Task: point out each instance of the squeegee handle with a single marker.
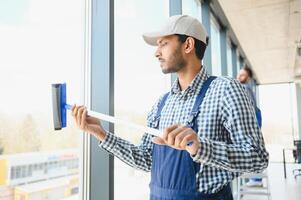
(115, 120)
(67, 106)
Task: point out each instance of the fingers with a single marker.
(174, 133)
(73, 109)
(188, 138)
(79, 114)
(158, 140)
(83, 118)
(179, 138)
(168, 130)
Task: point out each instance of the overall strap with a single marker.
(160, 107)
(195, 110)
(199, 99)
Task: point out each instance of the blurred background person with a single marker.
(245, 77)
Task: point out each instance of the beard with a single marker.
(175, 63)
(243, 81)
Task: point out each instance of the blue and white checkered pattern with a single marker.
(231, 141)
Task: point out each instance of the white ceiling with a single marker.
(267, 31)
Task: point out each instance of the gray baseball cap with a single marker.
(178, 24)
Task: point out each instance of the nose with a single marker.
(158, 52)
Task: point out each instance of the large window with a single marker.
(229, 60)
(192, 8)
(41, 43)
(138, 83)
(215, 47)
(238, 66)
(279, 130)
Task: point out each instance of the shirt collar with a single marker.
(194, 85)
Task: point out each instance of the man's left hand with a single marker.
(178, 137)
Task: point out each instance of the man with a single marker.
(245, 77)
(200, 152)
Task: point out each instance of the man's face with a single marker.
(170, 54)
(243, 76)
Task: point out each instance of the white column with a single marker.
(298, 109)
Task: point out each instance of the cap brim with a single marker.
(151, 38)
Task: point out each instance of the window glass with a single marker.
(41, 43)
(192, 8)
(278, 129)
(215, 47)
(237, 62)
(229, 60)
(139, 82)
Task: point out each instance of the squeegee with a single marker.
(60, 107)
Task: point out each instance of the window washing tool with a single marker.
(60, 108)
(60, 113)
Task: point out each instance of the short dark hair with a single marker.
(248, 70)
(199, 46)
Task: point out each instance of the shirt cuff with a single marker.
(203, 155)
(109, 142)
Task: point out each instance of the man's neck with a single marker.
(187, 75)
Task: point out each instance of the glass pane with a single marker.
(41, 43)
(278, 129)
(192, 8)
(229, 60)
(237, 62)
(138, 83)
(215, 47)
(241, 62)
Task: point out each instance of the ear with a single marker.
(189, 45)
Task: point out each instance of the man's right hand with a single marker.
(87, 123)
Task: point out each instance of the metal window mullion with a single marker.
(84, 182)
(102, 95)
(175, 8)
(206, 22)
(234, 59)
(223, 43)
(241, 62)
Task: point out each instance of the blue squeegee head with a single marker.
(63, 105)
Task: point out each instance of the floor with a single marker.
(133, 184)
(281, 188)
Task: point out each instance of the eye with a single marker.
(163, 44)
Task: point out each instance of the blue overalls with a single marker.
(173, 173)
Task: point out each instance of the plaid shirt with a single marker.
(231, 141)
